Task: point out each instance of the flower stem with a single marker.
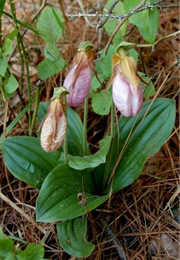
(109, 157)
(112, 121)
(85, 126)
(66, 136)
(35, 109)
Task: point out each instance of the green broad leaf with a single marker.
(139, 19)
(106, 62)
(149, 33)
(75, 133)
(111, 24)
(72, 237)
(134, 54)
(150, 132)
(12, 35)
(49, 26)
(95, 84)
(8, 44)
(148, 89)
(58, 19)
(32, 252)
(9, 256)
(91, 161)
(3, 66)
(6, 247)
(7, 47)
(75, 129)
(101, 102)
(147, 21)
(11, 85)
(48, 68)
(51, 52)
(26, 160)
(58, 198)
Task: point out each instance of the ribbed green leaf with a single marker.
(58, 197)
(3, 66)
(11, 85)
(26, 160)
(75, 133)
(147, 21)
(47, 68)
(48, 25)
(91, 161)
(101, 102)
(147, 137)
(72, 237)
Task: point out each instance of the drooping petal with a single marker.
(81, 87)
(122, 95)
(53, 128)
(136, 100)
(127, 100)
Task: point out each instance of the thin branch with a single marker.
(102, 23)
(169, 6)
(119, 17)
(147, 45)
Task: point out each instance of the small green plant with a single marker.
(9, 83)
(71, 180)
(50, 25)
(8, 251)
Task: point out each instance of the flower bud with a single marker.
(53, 127)
(126, 90)
(78, 79)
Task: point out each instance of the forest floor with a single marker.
(143, 217)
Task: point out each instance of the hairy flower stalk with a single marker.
(126, 90)
(78, 79)
(54, 125)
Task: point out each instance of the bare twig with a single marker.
(102, 23)
(147, 45)
(119, 17)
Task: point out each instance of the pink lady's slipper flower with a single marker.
(53, 126)
(78, 79)
(126, 90)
